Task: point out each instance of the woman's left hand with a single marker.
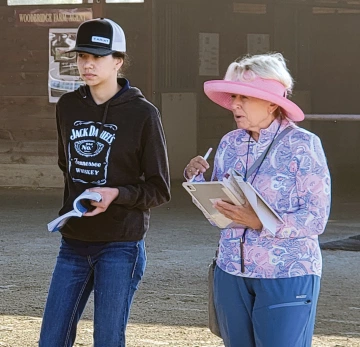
(108, 195)
(244, 215)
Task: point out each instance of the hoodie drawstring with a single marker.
(103, 120)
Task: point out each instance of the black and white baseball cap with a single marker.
(100, 36)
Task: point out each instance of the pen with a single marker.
(205, 157)
(207, 153)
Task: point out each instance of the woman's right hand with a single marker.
(196, 166)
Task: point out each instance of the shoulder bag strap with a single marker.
(259, 160)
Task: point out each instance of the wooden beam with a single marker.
(99, 8)
(150, 72)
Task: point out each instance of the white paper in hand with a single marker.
(268, 217)
(78, 211)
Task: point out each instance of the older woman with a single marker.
(266, 286)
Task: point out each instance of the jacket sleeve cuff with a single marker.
(124, 196)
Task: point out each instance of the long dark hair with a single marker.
(126, 63)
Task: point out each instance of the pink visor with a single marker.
(220, 92)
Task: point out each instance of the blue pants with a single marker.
(266, 312)
(113, 273)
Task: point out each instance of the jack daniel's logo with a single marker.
(89, 152)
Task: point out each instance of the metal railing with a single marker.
(333, 117)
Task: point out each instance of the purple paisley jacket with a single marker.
(294, 179)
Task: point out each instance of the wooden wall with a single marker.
(27, 127)
(322, 57)
(321, 50)
(27, 120)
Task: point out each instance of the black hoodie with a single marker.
(118, 144)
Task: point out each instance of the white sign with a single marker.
(209, 54)
(63, 72)
(258, 43)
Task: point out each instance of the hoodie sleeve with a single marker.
(61, 149)
(61, 153)
(155, 190)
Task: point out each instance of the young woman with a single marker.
(266, 285)
(111, 141)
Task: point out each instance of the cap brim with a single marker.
(220, 92)
(92, 50)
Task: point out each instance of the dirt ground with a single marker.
(170, 308)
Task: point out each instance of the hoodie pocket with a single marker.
(129, 221)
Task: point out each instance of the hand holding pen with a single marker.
(197, 165)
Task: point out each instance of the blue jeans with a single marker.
(256, 312)
(113, 273)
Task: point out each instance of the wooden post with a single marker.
(150, 66)
(99, 8)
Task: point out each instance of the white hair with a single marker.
(266, 66)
